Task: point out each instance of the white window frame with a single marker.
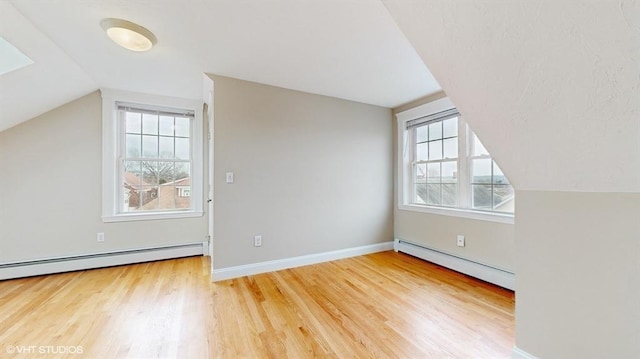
(111, 128)
(405, 168)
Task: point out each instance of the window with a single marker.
(445, 169)
(152, 161)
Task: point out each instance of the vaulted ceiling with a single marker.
(346, 49)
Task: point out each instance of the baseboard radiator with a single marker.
(482, 271)
(98, 260)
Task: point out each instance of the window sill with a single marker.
(462, 213)
(150, 216)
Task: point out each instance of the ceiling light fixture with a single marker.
(129, 35)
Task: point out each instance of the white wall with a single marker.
(312, 173)
(553, 89)
(50, 191)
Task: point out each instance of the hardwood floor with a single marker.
(384, 305)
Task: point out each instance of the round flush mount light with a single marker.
(129, 35)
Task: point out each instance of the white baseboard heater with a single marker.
(98, 260)
(485, 272)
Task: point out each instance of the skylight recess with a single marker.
(11, 58)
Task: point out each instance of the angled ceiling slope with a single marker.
(552, 88)
(52, 80)
(346, 49)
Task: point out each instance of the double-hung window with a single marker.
(152, 157)
(445, 169)
(435, 160)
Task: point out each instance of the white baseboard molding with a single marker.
(286, 263)
(485, 272)
(521, 354)
(97, 260)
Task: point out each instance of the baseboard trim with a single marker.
(286, 263)
(97, 260)
(521, 354)
(482, 271)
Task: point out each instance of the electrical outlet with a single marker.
(257, 241)
(100, 237)
(229, 177)
(460, 240)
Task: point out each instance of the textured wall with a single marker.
(551, 87)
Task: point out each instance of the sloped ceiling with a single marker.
(52, 80)
(346, 49)
(551, 87)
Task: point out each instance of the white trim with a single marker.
(488, 273)
(96, 260)
(151, 216)
(110, 176)
(521, 354)
(286, 263)
(439, 105)
(458, 212)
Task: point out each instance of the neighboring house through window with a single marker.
(152, 157)
(445, 169)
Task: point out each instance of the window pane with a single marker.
(481, 196)
(166, 126)
(421, 173)
(421, 193)
(149, 124)
(451, 148)
(166, 172)
(132, 173)
(182, 171)
(166, 196)
(150, 146)
(421, 134)
(435, 150)
(150, 173)
(503, 198)
(182, 193)
(182, 148)
(478, 148)
(481, 170)
(182, 127)
(421, 151)
(132, 145)
(498, 176)
(166, 147)
(502, 195)
(149, 198)
(433, 172)
(450, 172)
(133, 122)
(131, 198)
(449, 195)
(433, 194)
(435, 131)
(450, 127)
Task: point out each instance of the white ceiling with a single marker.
(350, 49)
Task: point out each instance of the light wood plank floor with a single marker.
(384, 305)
